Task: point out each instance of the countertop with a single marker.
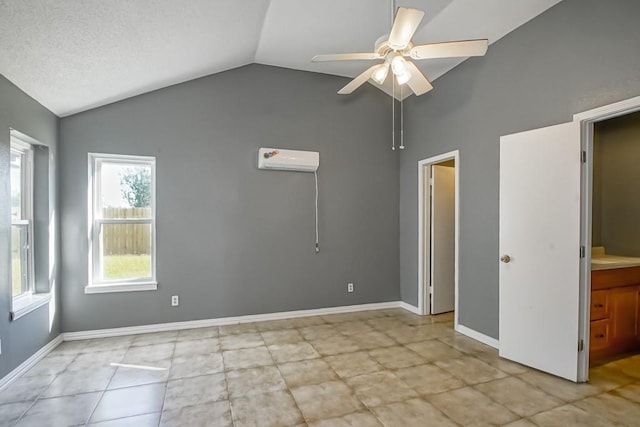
(606, 262)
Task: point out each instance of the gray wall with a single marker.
(232, 239)
(24, 336)
(578, 55)
(616, 175)
(596, 192)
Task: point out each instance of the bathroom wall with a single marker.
(616, 176)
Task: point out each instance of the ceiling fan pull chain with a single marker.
(393, 90)
(401, 120)
(393, 113)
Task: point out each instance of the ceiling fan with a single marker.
(397, 48)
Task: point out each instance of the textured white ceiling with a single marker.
(75, 55)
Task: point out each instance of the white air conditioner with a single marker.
(288, 160)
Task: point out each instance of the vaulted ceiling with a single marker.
(75, 55)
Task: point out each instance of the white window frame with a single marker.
(95, 222)
(30, 300)
(26, 194)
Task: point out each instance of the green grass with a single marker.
(115, 267)
(127, 266)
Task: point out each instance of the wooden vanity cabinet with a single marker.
(599, 337)
(615, 312)
(600, 305)
(624, 317)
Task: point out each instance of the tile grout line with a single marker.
(105, 388)
(38, 397)
(166, 383)
(368, 351)
(293, 328)
(288, 390)
(341, 333)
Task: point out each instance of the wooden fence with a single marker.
(126, 239)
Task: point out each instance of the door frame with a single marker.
(424, 231)
(588, 119)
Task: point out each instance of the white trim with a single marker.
(410, 307)
(104, 333)
(27, 364)
(27, 200)
(162, 327)
(124, 221)
(471, 333)
(121, 287)
(122, 158)
(19, 146)
(25, 304)
(588, 118)
(24, 138)
(609, 111)
(94, 221)
(422, 166)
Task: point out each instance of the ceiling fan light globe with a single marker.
(380, 74)
(398, 65)
(403, 78)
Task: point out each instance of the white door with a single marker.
(442, 239)
(540, 232)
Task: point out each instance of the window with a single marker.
(122, 221)
(30, 231)
(21, 178)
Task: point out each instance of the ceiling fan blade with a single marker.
(345, 57)
(358, 81)
(418, 83)
(404, 26)
(455, 49)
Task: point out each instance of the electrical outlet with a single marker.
(349, 287)
(174, 301)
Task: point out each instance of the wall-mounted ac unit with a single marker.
(288, 160)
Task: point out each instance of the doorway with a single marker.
(438, 219)
(591, 120)
(545, 270)
(615, 254)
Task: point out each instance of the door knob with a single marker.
(505, 259)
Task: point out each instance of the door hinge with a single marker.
(582, 251)
(583, 156)
(580, 345)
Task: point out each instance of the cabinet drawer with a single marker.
(599, 334)
(599, 305)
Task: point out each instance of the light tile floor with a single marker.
(375, 368)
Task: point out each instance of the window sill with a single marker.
(26, 304)
(121, 287)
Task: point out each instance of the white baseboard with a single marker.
(485, 339)
(162, 327)
(27, 364)
(409, 307)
